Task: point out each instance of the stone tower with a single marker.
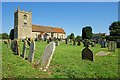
(22, 24)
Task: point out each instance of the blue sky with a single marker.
(72, 17)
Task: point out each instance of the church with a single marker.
(23, 27)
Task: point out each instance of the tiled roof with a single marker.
(40, 28)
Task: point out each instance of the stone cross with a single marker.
(47, 56)
(31, 52)
(24, 49)
(87, 54)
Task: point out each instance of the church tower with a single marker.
(22, 24)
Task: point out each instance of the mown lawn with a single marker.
(66, 63)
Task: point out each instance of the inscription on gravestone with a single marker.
(47, 56)
(87, 54)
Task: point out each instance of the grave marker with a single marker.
(87, 54)
(24, 49)
(47, 56)
(118, 43)
(31, 52)
(111, 46)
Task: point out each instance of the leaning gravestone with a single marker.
(6, 42)
(87, 54)
(24, 49)
(17, 47)
(14, 46)
(47, 56)
(31, 52)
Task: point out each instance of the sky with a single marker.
(71, 16)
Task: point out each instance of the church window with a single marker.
(25, 24)
(25, 17)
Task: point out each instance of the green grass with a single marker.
(66, 63)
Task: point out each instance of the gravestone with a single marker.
(14, 46)
(47, 56)
(24, 49)
(102, 53)
(57, 43)
(92, 44)
(31, 52)
(70, 42)
(118, 43)
(74, 42)
(9, 43)
(6, 42)
(103, 44)
(111, 46)
(66, 41)
(87, 54)
(17, 47)
(78, 43)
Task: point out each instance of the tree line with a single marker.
(114, 29)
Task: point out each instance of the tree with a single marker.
(11, 34)
(87, 32)
(68, 37)
(72, 37)
(78, 38)
(114, 29)
(5, 36)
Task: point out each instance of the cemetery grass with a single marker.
(66, 63)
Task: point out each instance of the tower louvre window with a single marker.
(25, 17)
(25, 24)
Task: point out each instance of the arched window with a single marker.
(25, 17)
(25, 24)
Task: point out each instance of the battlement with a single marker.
(23, 11)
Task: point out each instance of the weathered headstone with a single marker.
(103, 44)
(57, 43)
(47, 56)
(70, 42)
(78, 43)
(31, 52)
(24, 49)
(111, 46)
(9, 43)
(87, 54)
(6, 42)
(66, 41)
(14, 46)
(74, 42)
(118, 43)
(17, 47)
(102, 53)
(92, 44)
